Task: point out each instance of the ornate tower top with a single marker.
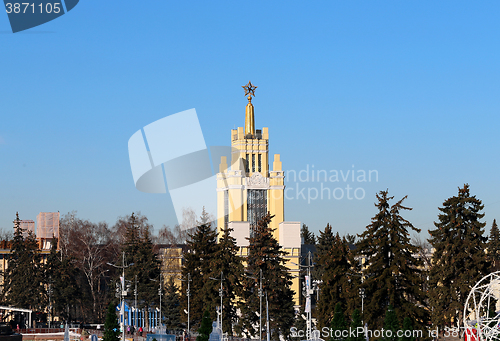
(249, 90)
(249, 112)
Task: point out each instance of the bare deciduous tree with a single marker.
(91, 246)
(424, 250)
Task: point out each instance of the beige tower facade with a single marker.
(247, 189)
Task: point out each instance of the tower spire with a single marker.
(249, 112)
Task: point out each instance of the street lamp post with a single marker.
(267, 319)
(261, 294)
(316, 286)
(135, 303)
(307, 294)
(160, 293)
(221, 293)
(188, 293)
(123, 293)
(362, 294)
(50, 302)
(308, 297)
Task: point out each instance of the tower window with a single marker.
(259, 162)
(253, 162)
(256, 206)
(226, 208)
(247, 163)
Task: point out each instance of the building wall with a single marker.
(172, 260)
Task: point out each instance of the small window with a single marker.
(226, 208)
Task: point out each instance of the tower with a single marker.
(247, 189)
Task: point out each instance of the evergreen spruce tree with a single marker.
(307, 236)
(265, 255)
(111, 326)
(391, 324)
(142, 263)
(351, 239)
(339, 283)
(198, 263)
(60, 279)
(355, 324)
(132, 238)
(392, 270)
(494, 247)
(325, 243)
(338, 324)
(24, 261)
(147, 269)
(459, 259)
(407, 330)
(171, 306)
(227, 262)
(66, 288)
(205, 327)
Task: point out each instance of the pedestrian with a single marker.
(128, 330)
(140, 331)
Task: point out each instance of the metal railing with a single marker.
(45, 330)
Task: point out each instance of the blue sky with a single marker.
(406, 88)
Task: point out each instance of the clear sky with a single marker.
(409, 89)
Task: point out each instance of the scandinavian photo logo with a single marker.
(310, 184)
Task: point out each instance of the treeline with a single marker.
(383, 271)
(377, 278)
(381, 277)
(76, 282)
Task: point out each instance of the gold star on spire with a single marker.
(249, 89)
